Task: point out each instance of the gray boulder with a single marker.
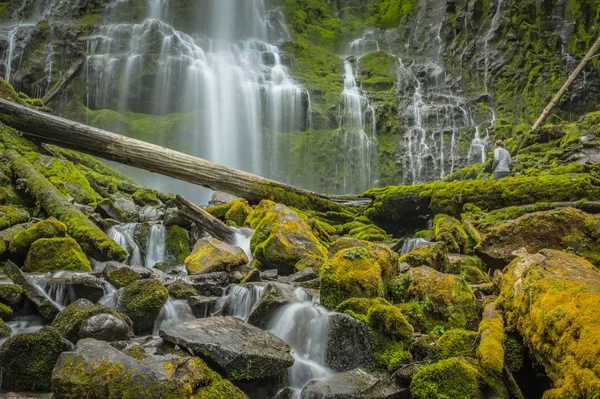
(105, 327)
(210, 284)
(243, 351)
(348, 345)
(355, 384)
(203, 306)
(173, 216)
(274, 298)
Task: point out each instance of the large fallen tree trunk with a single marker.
(77, 136)
(204, 219)
(92, 240)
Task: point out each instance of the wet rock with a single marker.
(432, 254)
(285, 393)
(404, 375)
(75, 322)
(210, 284)
(47, 309)
(142, 301)
(271, 274)
(355, 384)
(82, 285)
(301, 276)
(348, 345)
(243, 351)
(253, 276)
(14, 395)
(5, 330)
(182, 290)
(284, 241)
(121, 275)
(150, 214)
(173, 216)
(310, 284)
(221, 198)
(559, 229)
(11, 294)
(236, 277)
(28, 359)
(170, 268)
(211, 255)
(122, 209)
(275, 297)
(203, 306)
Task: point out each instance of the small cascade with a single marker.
(411, 244)
(62, 295)
(25, 324)
(356, 164)
(156, 245)
(240, 300)
(124, 235)
(366, 44)
(305, 327)
(172, 313)
(242, 238)
(486, 43)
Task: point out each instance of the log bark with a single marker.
(55, 130)
(92, 240)
(205, 220)
(595, 47)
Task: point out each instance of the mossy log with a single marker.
(205, 220)
(54, 130)
(93, 241)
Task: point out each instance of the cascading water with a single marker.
(124, 235)
(356, 162)
(156, 245)
(411, 244)
(228, 82)
(366, 44)
(242, 238)
(305, 327)
(172, 313)
(240, 300)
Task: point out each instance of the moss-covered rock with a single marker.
(11, 294)
(145, 197)
(449, 378)
(450, 231)
(491, 348)
(445, 299)
(28, 359)
(142, 301)
(550, 298)
(434, 255)
(182, 290)
(469, 268)
(258, 213)
(54, 254)
(456, 343)
(565, 229)
(10, 215)
(49, 228)
(177, 243)
(70, 321)
(6, 312)
(211, 255)
(284, 241)
(4, 330)
(357, 272)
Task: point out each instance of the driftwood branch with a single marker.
(567, 84)
(63, 81)
(205, 220)
(80, 137)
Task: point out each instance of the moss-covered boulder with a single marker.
(444, 299)
(450, 231)
(233, 213)
(551, 299)
(70, 322)
(182, 290)
(566, 229)
(145, 197)
(211, 255)
(48, 228)
(455, 343)
(177, 243)
(121, 275)
(259, 212)
(54, 254)
(10, 216)
(142, 301)
(4, 330)
(434, 255)
(28, 359)
(357, 272)
(450, 378)
(285, 242)
(491, 347)
(468, 267)
(11, 294)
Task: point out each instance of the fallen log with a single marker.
(93, 241)
(55, 130)
(592, 207)
(205, 220)
(63, 81)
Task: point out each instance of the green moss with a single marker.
(181, 290)
(491, 348)
(455, 343)
(390, 12)
(10, 216)
(145, 197)
(450, 231)
(237, 213)
(5, 312)
(434, 255)
(69, 321)
(450, 378)
(142, 301)
(5, 330)
(11, 294)
(177, 243)
(53, 254)
(122, 277)
(389, 321)
(28, 359)
(49, 228)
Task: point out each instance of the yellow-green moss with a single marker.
(211, 255)
(181, 290)
(491, 348)
(11, 294)
(449, 230)
(455, 343)
(446, 379)
(53, 254)
(145, 197)
(5, 330)
(258, 214)
(5, 312)
(237, 213)
(10, 216)
(48, 228)
(434, 255)
(142, 301)
(177, 243)
(122, 277)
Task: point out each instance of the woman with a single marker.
(502, 161)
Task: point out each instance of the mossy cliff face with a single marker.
(549, 298)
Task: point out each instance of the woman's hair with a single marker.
(499, 143)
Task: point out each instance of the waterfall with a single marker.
(240, 300)
(62, 295)
(365, 44)
(156, 245)
(172, 313)
(124, 235)
(411, 244)
(489, 35)
(305, 327)
(242, 238)
(355, 166)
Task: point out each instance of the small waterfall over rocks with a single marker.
(173, 312)
(156, 245)
(124, 235)
(240, 300)
(411, 244)
(242, 238)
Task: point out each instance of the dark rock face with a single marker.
(210, 284)
(105, 327)
(202, 306)
(348, 346)
(355, 384)
(275, 297)
(243, 351)
(28, 359)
